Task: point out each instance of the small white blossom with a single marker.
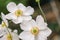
(3, 25)
(10, 36)
(19, 13)
(4, 20)
(35, 30)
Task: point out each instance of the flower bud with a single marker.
(37, 0)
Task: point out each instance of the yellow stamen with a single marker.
(4, 24)
(18, 13)
(9, 37)
(35, 31)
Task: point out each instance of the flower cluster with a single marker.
(20, 14)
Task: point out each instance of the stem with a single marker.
(42, 11)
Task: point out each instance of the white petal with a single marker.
(10, 16)
(39, 19)
(18, 20)
(2, 31)
(41, 38)
(29, 11)
(4, 19)
(40, 22)
(15, 31)
(14, 36)
(45, 33)
(3, 38)
(27, 18)
(26, 36)
(3, 16)
(11, 7)
(27, 25)
(21, 7)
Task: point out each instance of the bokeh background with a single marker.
(51, 9)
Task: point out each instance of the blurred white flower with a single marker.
(4, 31)
(11, 36)
(3, 25)
(19, 13)
(4, 20)
(35, 30)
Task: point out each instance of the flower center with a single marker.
(35, 31)
(9, 37)
(18, 13)
(4, 24)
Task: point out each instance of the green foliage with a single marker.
(53, 26)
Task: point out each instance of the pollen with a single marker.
(18, 13)
(9, 37)
(35, 31)
(4, 24)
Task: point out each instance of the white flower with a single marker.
(3, 25)
(19, 13)
(4, 31)
(4, 20)
(11, 36)
(35, 30)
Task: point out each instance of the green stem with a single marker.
(42, 11)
